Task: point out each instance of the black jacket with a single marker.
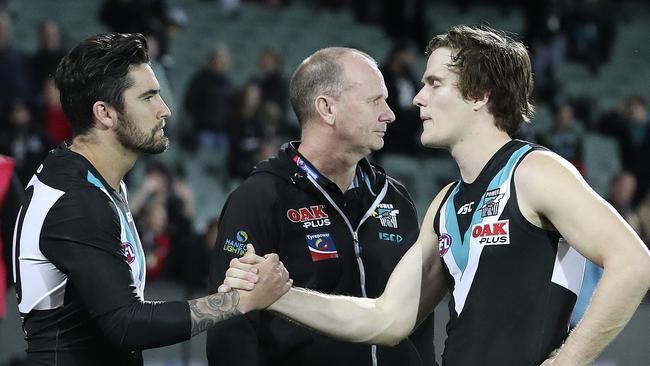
(294, 211)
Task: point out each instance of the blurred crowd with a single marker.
(238, 125)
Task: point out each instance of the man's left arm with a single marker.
(550, 190)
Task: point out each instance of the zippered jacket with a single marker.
(329, 241)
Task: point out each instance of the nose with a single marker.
(419, 100)
(165, 112)
(388, 116)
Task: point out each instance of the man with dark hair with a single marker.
(506, 240)
(341, 223)
(79, 265)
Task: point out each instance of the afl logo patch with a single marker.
(128, 251)
(444, 243)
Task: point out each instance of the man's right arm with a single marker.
(91, 258)
(415, 287)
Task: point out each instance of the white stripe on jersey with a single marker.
(569, 267)
(46, 288)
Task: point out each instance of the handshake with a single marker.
(260, 281)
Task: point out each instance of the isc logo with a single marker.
(396, 238)
(495, 233)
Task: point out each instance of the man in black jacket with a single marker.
(340, 223)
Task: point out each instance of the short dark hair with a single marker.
(97, 69)
(489, 62)
(319, 74)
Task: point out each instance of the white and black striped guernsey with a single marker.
(80, 271)
(513, 284)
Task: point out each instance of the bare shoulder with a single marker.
(546, 182)
(540, 166)
(544, 173)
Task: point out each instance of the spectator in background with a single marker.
(56, 124)
(273, 84)
(166, 92)
(565, 136)
(196, 269)
(621, 194)
(545, 35)
(636, 149)
(402, 137)
(23, 141)
(591, 32)
(9, 194)
(207, 101)
(14, 192)
(50, 51)
(134, 16)
(146, 17)
(644, 219)
(165, 205)
(630, 126)
(405, 18)
(153, 235)
(245, 130)
(15, 78)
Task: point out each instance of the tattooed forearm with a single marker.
(209, 310)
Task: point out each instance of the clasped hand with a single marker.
(260, 281)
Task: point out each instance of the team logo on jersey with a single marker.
(491, 203)
(237, 246)
(312, 216)
(495, 233)
(465, 209)
(321, 246)
(128, 251)
(444, 243)
(387, 215)
(395, 238)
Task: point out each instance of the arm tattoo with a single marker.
(208, 311)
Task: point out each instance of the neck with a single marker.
(337, 165)
(475, 149)
(112, 161)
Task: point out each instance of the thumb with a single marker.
(250, 249)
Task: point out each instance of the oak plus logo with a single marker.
(309, 217)
(494, 233)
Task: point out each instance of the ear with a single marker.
(477, 104)
(325, 108)
(104, 114)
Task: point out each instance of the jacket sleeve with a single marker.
(81, 237)
(248, 217)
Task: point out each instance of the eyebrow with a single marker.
(376, 97)
(430, 79)
(149, 93)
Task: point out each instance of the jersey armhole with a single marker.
(436, 218)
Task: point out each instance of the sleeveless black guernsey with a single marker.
(513, 284)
